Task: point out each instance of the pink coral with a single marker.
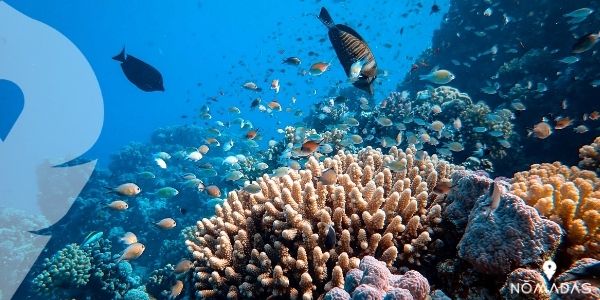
(373, 280)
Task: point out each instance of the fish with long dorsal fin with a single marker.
(350, 48)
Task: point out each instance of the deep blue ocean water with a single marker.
(204, 48)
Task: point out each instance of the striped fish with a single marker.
(350, 47)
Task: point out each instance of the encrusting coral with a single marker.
(373, 280)
(275, 242)
(569, 197)
(503, 233)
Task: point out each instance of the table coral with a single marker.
(273, 242)
(510, 236)
(568, 196)
(373, 280)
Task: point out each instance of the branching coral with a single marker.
(76, 271)
(590, 156)
(68, 269)
(273, 242)
(372, 280)
(568, 196)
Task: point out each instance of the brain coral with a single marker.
(273, 242)
(568, 196)
(372, 280)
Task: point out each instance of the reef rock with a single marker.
(511, 236)
(469, 186)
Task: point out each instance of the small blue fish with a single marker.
(479, 129)
(496, 133)
(92, 237)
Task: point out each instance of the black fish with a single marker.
(292, 61)
(144, 76)
(585, 272)
(434, 9)
(330, 239)
(350, 47)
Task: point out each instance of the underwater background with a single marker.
(242, 155)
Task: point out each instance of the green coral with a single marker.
(68, 269)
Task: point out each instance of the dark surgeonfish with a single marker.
(144, 76)
(353, 52)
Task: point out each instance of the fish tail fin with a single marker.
(109, 190)
(120, 57)
(325, 17)
(424, 77)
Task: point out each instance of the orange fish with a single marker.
(541, 130)
(595, 115)
(213, 191)
(126, 189)
(274, 105)
(251, 134)
(309, 147)
(211, 141)
(319, 68)
(166, 223)
(562, 123)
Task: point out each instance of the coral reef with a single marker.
(85, 271)
(160, 281)
(16, 240)
(569, 197)
(498, 240)
(373, 280)
(68, 269)
(590, 156)
(254, 239)
(468, 187)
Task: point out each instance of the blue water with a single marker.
(199, 46)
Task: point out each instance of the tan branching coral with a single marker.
(569, 197)
(275, 242)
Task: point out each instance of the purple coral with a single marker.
(412, 281)
(512, 236)
(374, 281)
